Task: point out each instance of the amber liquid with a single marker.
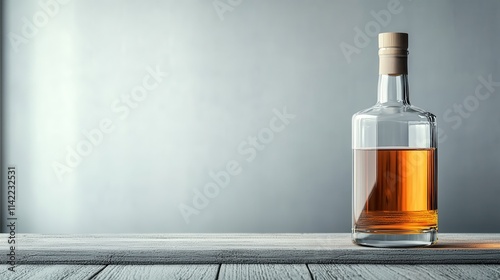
(395, 190)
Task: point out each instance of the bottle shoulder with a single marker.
(380, 112)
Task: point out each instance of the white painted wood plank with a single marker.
(243, 248)
(263, 271)
(495, 268)
(36, 272)
(432, 271)
(125, 272)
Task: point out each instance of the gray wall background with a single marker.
(227, 72)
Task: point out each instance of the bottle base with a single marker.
(391, 239)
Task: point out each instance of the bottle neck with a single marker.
(393, 90)
(393, 77)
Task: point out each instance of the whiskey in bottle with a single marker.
(394, 160)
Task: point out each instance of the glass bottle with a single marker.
(394, 160)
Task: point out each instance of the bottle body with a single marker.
(394, 160)
(394, 176)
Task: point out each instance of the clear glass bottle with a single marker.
(394, 160)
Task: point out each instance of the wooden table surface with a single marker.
(246, 256)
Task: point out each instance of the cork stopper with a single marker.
(393, 53)
(393, 40)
